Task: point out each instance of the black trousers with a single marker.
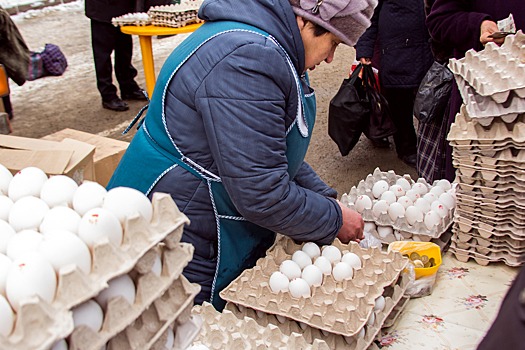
(401, 104)
(105, 39)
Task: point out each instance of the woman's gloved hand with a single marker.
(353, 224)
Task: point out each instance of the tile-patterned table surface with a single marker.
(461, 308)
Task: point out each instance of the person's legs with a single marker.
(124, 70)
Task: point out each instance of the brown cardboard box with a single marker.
(68, 157)
(108, 152)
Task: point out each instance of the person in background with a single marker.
(228, 127)
(399, 34)
(462, 25)
(105, 39)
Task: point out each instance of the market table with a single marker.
(145, 33)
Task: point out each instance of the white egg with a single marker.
(395, 211)
(278, 282)
(170, 339)
(60, 345)
(362, 203)
(299, 288)
(369, 227)
(6, 204)
(437, 190)
(439, 208)
(301, 258)
(88, 196)
(429, 197)
(312, 275)
(60, 218)
(62, 248)
(157, 266)
(290, 269)
(342, 271)
(7, 317)
(30, 275)
(5, 179)
(420, 188)
(126, 201)
(27, 182)
(444, 184)
(5, 265)
(380, 208)
(413, 214)
(88, 314)
(323, 264)
(405, 201)
(361, 333)
(311, 249)
(413, 195)
(379, 187)
(26, 241)
(405, 185)
(6, 232)
(447, 200)
(121, 286)
(432, 219)
(379, 303)
(397, 190)
(385, 231)
(332, 253)
(422, 204)
(27, 213)
(59, 190)
(389, 197)
(100, 223)
(352, 259)
(371, 320)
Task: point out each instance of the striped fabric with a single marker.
(431, 145)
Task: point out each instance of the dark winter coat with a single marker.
(228, 109)
(14, 53)
(399, 34)
(105, 10)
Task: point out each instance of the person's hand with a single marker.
(488, 28)
(353, 224)
(365, 60)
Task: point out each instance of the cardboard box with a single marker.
(68, 157)
(108, 152)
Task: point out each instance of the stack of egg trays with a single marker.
(227, 331)
(132, 19)
(175, 15)
(40, 324)
(418, 231)
(338, 308)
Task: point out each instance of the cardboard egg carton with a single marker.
(394, 303)
(337, 307)
(172, 308)
(175, 15)
(489, 209)
(365, 188)
(475, 214)
(504, 241)
(491, 174)
(505, 157)
(506, 203)
(227, 331)
(132, 19)
(496, 70)
(149, 288)
(501, 190)
(500, 200)
(465, 255)
(489, 230)
(481, 245)
(476, 181)
(510, 214)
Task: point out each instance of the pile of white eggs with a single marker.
(50, 223)
(415, 202)
(309, 266)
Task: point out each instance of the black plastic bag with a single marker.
(434, 93)
(348, 113)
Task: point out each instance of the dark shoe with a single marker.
(138, 95)
(409, 159)
(115, 105)
(380, 143)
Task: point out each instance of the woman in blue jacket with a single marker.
(228, 127)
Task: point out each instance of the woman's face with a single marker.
(316, 48)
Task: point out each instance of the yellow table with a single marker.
(145, 33)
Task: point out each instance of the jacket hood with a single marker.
(275, 17)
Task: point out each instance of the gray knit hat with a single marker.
(346, 19)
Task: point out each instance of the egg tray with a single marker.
(184, 332)
(397, 235)
(336, 307)
(489, 229)
(501, 190)
(465, 255)
(488, 152)
(513, 215)
(227, 331)
(172, 308)
(487, 217)
(175, 23)
(500, 200)
(483, 248)
(473, 181)
(175, 15)
(496, 241)
(394, 297)
(149, 287)
(495, 70)
(489, 207)
(491, 174)
(506, 157)
(503, 168)
(131, 19)
(365, 188)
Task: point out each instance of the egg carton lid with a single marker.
(133, 19)
(464, 255)
(336, 307)
(463, 236)
(149, 288)
(483, 248)
(172, 308)
(495, 70)
(38, 326)
(365, 188)
(489, 229)
(175, 24)
(484, 109)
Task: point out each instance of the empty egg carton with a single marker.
(473, 200)
(175, 15)
(132, 19)
(507, 157)
(491, 174)
(488, 230)
(464, 255)
(495, 71)
(337, 307)
(483, 248)
(493, 240)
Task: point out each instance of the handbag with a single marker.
(54, 61)
(434, 93)
(348, 113)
